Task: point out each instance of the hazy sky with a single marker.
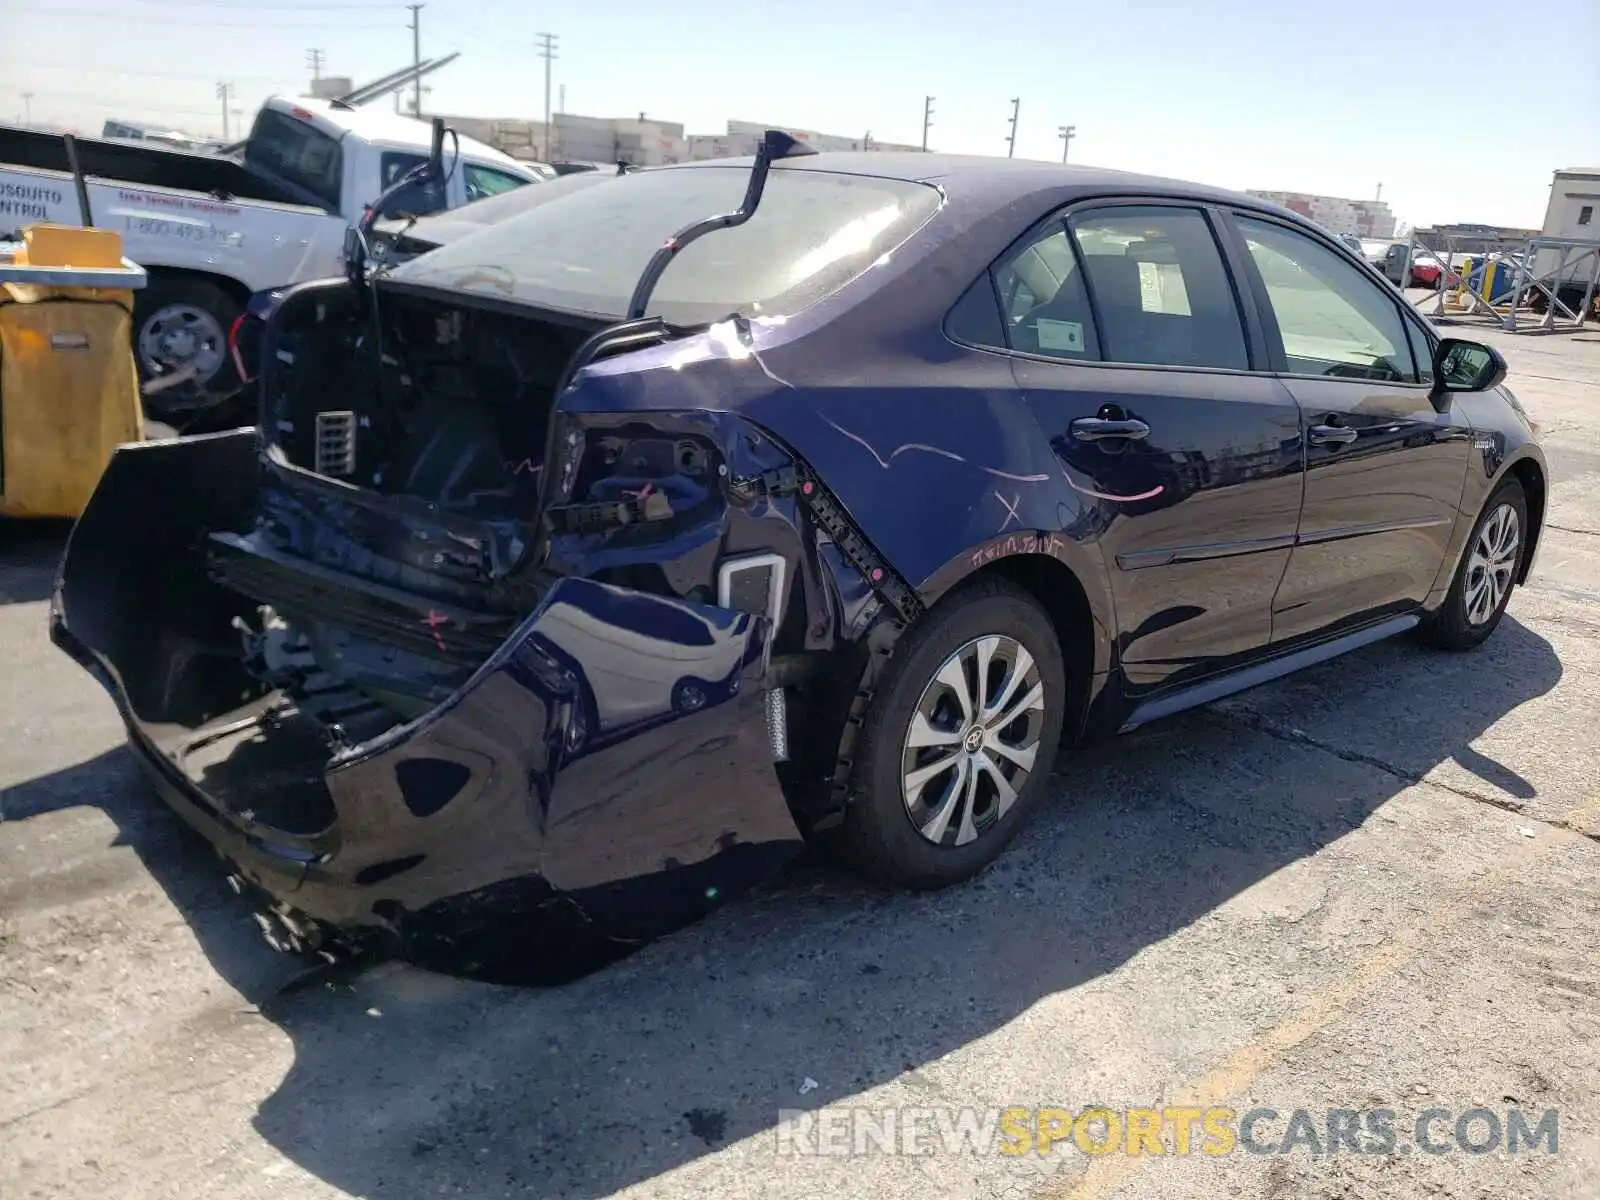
(1459, 111)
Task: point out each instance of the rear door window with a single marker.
(298, 154)
(1161, 294)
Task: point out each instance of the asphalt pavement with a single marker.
(1371, 887)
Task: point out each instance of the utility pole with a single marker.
(927, 119)
(314, 60)
(416, 57)
(561, 99)
(1379, 196)
(1068, 132)
(1011, 142)
(547, 51)
(27, 108)
(224, 93)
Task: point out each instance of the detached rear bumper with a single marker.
(604, 777)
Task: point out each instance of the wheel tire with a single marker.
(1486, 557)
(168, 296)
(879, 836)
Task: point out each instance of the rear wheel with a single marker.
(959, 740)
(1482, 586)
(179, 324)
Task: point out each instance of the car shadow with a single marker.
(30, 552)
(408, 1084)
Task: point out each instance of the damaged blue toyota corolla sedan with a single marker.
(581, 569)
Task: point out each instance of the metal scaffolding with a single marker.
(1541, 269)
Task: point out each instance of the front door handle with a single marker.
(1331, 435)
(1100, 429)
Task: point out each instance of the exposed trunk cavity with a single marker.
(393, 545)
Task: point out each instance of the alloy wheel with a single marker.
(1492, 564)
(973, 740)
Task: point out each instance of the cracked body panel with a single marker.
(512, 612)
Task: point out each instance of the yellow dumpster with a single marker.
(69, 390)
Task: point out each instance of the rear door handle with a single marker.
(1331, 435)
(1100, 429)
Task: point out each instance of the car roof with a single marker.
(959, 173)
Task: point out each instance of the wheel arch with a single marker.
(1536, 492)
(236, 288)
(1084, 651)
(1077, 608)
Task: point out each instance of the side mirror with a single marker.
(1461, 366)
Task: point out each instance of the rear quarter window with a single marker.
(813, 233)
(297, 154)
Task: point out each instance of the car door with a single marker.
(1384, 468)
(1394, 263)
(1133, 353)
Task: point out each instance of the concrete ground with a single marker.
(1372, 886)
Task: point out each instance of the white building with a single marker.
(1364, 218)
(1573, 212)
(742, 138)
(1574, 201)
(641, 141)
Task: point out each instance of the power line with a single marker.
(122, 103)
(228, 4)
(79, 68)
(188, 22)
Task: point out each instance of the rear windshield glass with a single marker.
(813, 232)
(296, 153)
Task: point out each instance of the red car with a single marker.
(1425, 272)
(1426, 268)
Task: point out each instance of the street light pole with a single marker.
(1011, 142)
(224, 93)
(547, 51)
(1068, 132)
(416, 57)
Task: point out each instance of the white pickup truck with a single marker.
(210, 229)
